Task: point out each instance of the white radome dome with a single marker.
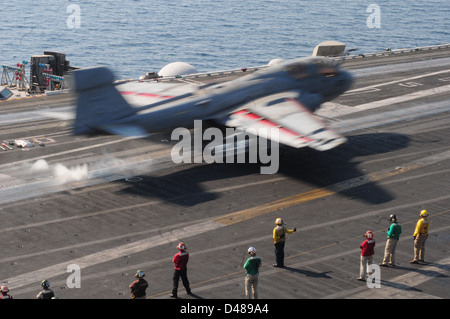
(177, 68)
(275, 61)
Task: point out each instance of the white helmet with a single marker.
(4, 289)
(279, 221)
(252, 250)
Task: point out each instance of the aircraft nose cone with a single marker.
(340, 84)
(347, 81)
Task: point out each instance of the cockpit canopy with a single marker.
(298, 70)
(325, 67)
(315, 67)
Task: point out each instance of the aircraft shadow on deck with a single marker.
(321, 169)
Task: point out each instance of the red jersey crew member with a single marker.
(180, 261)
(367, 252)
(420, 235)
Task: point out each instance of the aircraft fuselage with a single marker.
(206, 103)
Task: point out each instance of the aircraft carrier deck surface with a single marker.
(111, 205)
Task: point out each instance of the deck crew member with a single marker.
(180, 261)
(367, 252)
(5, 295)
(279, 240)
(251, 267)
(46, 292)
(138, 287)
(420, 236)
(393, 235)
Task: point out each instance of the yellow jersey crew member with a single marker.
(279, 239)
(420, 235)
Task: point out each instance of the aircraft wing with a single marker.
(140, 94)
(298, 126)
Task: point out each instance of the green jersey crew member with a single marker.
(393, 235)
(251, 267)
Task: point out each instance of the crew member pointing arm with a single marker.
(279, 239)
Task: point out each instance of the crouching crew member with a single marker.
(46, 292)
(5, 295)
(138, 287)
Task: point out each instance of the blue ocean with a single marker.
(133, 37)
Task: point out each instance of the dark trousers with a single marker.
(279, 253)
(176, 278)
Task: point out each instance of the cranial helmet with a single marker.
(45, 284)
(369, 234)
(181, 246)
(424, 213)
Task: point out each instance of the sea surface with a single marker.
(133, 37)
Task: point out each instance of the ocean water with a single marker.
(133, 37)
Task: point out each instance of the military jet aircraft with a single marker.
(283, 96)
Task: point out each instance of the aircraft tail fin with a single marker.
(99, 104)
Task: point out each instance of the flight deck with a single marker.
(108, 205)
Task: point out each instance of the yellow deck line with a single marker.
(267, 208)
(286, 202)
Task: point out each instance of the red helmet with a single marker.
(181, 246)
(369, 234)
(4, 289)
